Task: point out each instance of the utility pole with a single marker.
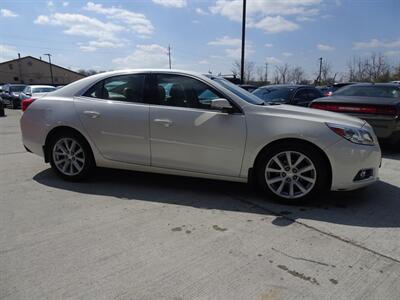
(169, 56)
(320, 70)
(51, 68)
(266, 73)
(243, 41)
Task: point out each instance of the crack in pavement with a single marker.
(304, 259)
(332, 235)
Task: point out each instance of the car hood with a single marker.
(359, 100)
(315, 115)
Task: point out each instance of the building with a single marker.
(31, 70)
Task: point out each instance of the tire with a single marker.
(13, 104)
(70, 156)
(307, 175)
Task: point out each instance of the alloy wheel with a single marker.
(68, 156)
(290, 174)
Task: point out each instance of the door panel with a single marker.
(197, 140)
(120, 130)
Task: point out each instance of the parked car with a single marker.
(378, 104)
(198, 126)
(10, 94)
(35, 91)
(2, 107)
(300, 95)
(395, 81)
(248, 87)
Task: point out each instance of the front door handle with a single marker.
(165, 122)
(92, 114)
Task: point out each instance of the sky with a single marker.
(204, 35)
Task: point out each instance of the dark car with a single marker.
(300, 95)
(329, 90)
(248, 87)
(10, 94)
(378, 104)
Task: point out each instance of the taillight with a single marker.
(26, 102)
(361, 109)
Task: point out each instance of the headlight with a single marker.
(353, 134)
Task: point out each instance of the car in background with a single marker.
(378, 104)
(395, 81)
(329, 90)
(35, 91)
(2, 107)
(248, 87)
(300, 95)
(10, 94)
(198, 126)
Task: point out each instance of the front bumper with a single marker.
(347, 159)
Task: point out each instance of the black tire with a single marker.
(89, 163)
(14, 104)
(322, 168)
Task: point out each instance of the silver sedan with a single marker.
(184, 123)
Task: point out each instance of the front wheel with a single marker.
(70, 156)
(293, 173)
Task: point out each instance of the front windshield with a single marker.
(273, 94)
(369, 91)
(243, 94)
(43, 89)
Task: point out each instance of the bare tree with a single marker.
(249, 70)
(373, 68)
(281, 74)
(260, 74)
(296, 75)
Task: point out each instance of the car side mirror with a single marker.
(221, 104)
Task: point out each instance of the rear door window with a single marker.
(126, 88)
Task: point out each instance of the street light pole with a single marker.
(243, 42)
(51, 68)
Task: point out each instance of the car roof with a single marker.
(40, 86)
(288, 86)
(375, 84)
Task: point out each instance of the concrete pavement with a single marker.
(130, 235)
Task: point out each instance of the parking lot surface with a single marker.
(131, 235)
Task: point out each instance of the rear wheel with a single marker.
(293, 172)
(70, 156)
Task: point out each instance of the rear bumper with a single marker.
(347, 159)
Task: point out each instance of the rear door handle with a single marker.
(165, 122)
(92, 114)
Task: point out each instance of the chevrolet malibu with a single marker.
(183, 123)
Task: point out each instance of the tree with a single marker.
(296, 75)
(373, 68)
(249, 68)
(281, 74)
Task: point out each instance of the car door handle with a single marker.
(92, 114)
(165, 122)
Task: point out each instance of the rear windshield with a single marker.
(369, 91)
(17, 88)
(43, 89)
(273, 94)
